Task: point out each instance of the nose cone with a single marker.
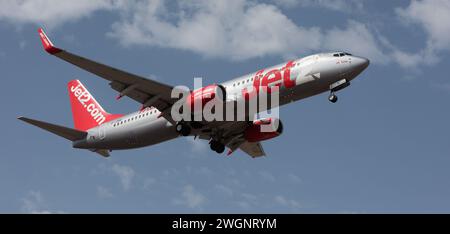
(360, 63)
(355, 67)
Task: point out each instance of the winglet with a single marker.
(48, 45)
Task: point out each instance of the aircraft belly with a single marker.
(306, 87)
(139, 134)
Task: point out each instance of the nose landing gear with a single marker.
(332, 98)
(341, 84)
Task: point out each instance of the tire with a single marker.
(217, 146)
(333, 98)
(220, 149)
(179, 127)
(185, 130)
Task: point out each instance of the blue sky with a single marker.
(384, 147)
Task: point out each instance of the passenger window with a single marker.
(336, 55)
(341, 55)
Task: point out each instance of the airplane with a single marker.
(101, 132)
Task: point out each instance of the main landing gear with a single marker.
(183, 129)
(217, 146)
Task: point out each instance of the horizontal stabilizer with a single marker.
(68, 133)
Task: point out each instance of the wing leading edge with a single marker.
(145, 91)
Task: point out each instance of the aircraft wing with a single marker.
(234, 138)
(143, 90)
(254, 149)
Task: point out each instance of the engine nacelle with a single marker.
(204, 95)
(263, 129)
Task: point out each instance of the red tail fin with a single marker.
(87, 113)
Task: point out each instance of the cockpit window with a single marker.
(341, 54)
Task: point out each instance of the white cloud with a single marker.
(358, 39)
(243, 205)
(52, 12)
(295, 179)
(191, 198)
(198, 146)
(229, 29)
(267, 176)
(34, 203)
(224, 190)
(240, 29)
(433, 16)
(441, 86)
(293, 204)
(149, 183)
(249, 201)
(125, 174)
(337, 5)
(103, 192)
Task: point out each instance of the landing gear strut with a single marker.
(217, 146)
(332, 98)
(183, 129)
(341, 84)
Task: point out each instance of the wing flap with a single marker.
(254, 149)
(102, 152)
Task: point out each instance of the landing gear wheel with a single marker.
(183, 129)
(217, 146)
(333, 98)
(220, 149)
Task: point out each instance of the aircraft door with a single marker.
(101, 133)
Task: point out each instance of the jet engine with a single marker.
(206, 94)
(263, 129)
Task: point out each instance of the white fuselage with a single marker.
(309, 76)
